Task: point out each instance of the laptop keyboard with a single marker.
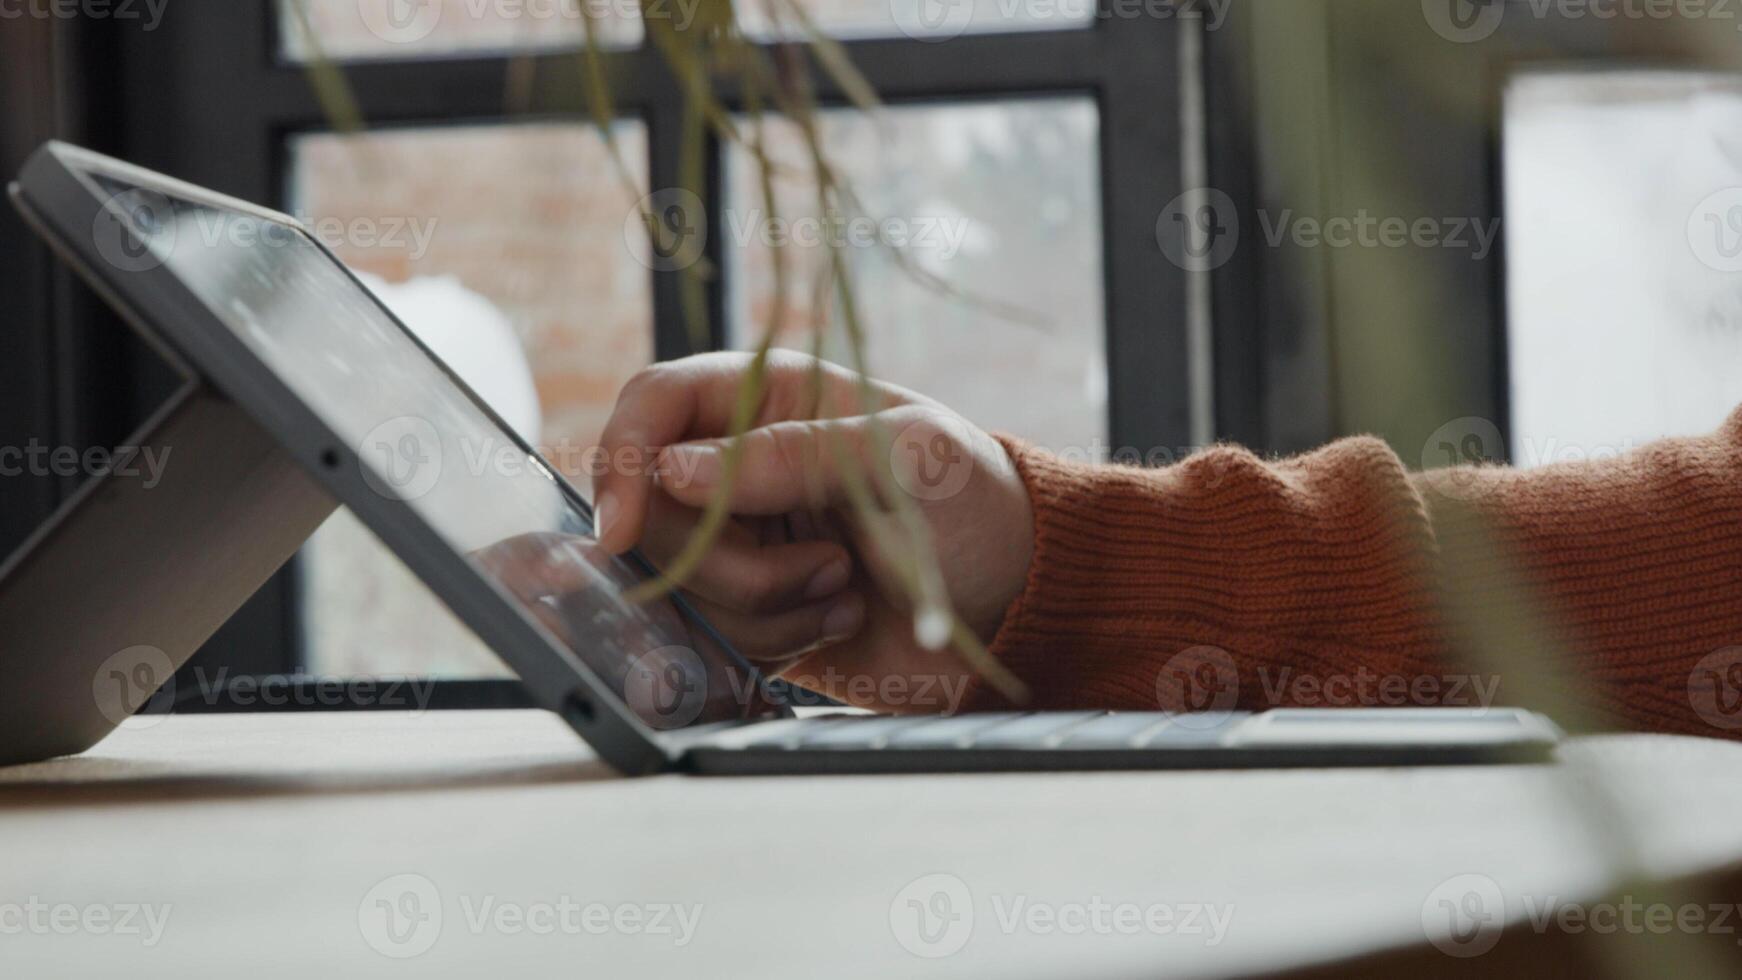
(1017, 731)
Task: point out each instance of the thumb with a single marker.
(782, 467)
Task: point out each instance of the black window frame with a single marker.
(209, 97)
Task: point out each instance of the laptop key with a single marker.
(948, 731)
(1119, 730)
(860, 733)
(771, 733)
(1207, 728)
(791, 737)
(1040, 730)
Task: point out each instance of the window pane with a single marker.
(503, 248)
(997, 201)
(1624, 258)
(423, 28)
(363, 29)
(930, 20)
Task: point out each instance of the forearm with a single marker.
(1339, 578)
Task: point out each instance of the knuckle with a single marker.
(645, 381)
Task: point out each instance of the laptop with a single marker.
(343, 406)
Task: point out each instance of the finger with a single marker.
(782, 467)
(782, 636)
(656, 407)
(739, 573)
(695, 398)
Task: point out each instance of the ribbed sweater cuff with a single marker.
(1609, 592)
(1223, 563)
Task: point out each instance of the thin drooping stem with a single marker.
(748, 399)
(332, 89)
(921, 574)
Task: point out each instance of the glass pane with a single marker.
(357, 29)
(1624, 258)
(502, 247)
(933, 20)
(365, 29)
(997, 202)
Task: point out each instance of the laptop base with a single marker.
(1105, 740)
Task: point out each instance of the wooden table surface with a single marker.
(491, 844)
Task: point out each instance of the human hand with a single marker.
(794, 580)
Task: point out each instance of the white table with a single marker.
(269, 837)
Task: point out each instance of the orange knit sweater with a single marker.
(1607, 593)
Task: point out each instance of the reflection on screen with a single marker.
(422, 439)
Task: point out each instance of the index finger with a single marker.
(654, 409)
(693, 398)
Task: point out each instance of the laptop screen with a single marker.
(423, 440)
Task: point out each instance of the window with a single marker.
(503, 247)
(350, 30)
(1578, 143)
(383, 29)
(1002, 209)
(476, 128)
(1624, 203)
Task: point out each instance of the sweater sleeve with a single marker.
(1608, 593)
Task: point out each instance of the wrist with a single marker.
(1008, 556)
